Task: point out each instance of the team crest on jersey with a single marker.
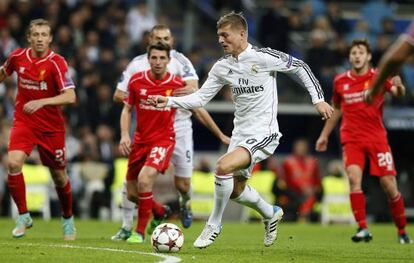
(21, 69)
(366, 84)
(254, 69)
(42, 74)
(168, 92)
(143, 92)
(346, 87)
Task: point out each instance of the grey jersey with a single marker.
(252, 80)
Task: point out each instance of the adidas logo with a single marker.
(230, 72)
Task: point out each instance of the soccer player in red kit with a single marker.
(154, 138)
(44, 84)
(363, 135)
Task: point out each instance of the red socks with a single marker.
(65, 199)
(17, 190)
(398, 213)
(144, 211)
(358, 208)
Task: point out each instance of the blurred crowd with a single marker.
(98, 38)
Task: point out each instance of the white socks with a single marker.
(251, 198)
(223, 187)
(128, 209)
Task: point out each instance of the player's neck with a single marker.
(35, 54)
(360, 71)
(240, 50)
(158, 76)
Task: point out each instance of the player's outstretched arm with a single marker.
(324, 109)
(157, 101)
(205, 118)
(390, 64)
(190, 87)
(125, 122)
(119, 96)
(322, 142)
(68, 96)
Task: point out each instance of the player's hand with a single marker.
(368, 98)
(125, 145)
(321, 144)
(186, 90)
(324, 109)
(32, 106)
(225, 139)
(398, 89)
(157, 101)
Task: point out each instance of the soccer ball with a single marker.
(167, 238)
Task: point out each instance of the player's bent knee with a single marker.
(14, 166)
(222, 168)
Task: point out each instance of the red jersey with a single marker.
(153, 124)
(300, 172)
(361, 122)
(38, 78)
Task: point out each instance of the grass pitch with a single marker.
(237, 243)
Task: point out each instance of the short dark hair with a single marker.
(159, 46)
(159, 27)
(38, 22)
(235, 20)
(360, 42)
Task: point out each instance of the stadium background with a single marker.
(99, 37)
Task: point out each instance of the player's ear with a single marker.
(369, 56)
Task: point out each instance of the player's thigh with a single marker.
(381, 159)
(160, 155)
(21, 139)
(353, 154)
(136, 160)
(259, 148)
(51, 147)
(182, 157)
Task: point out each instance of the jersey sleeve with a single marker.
(336, 97)
(279, 61)
(9, 64)
(61, 74)
(201, 97)
(185, 67)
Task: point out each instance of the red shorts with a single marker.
(156, 155)
(380, 157)
(51, 146)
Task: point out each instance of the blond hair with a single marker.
(235, 20)
(38, 22)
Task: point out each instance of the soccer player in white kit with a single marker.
(182, 158)
(250, 72)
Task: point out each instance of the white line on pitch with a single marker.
(167, 259)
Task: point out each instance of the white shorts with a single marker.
(260, 148)
(182, 157)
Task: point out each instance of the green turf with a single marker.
(237, 243)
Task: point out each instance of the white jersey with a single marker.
(179, 65)
(252, 80)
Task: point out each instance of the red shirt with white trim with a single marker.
(38, 78)
(153, 124)
(361, 122)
